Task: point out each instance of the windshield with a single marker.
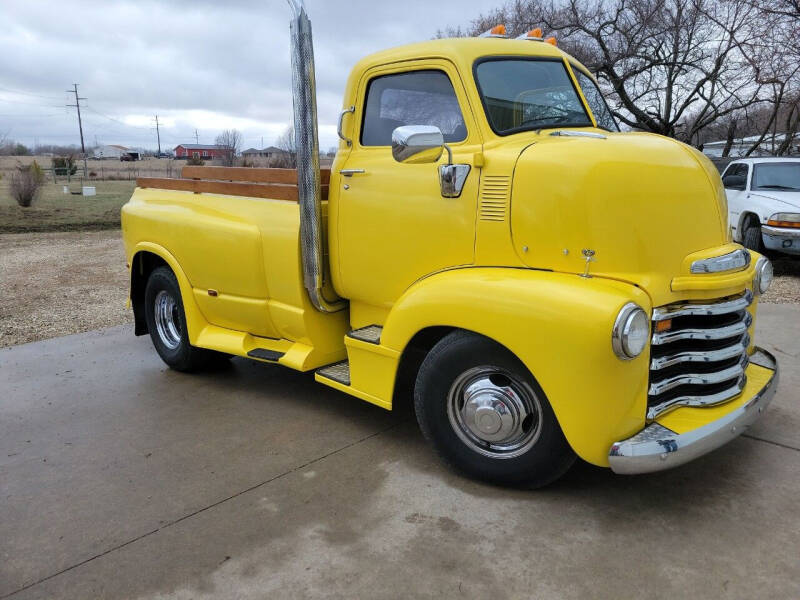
(521, 94)
(597, 104)
(776, 176)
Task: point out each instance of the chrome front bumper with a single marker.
(656, 448)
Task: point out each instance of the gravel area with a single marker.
(54, 284)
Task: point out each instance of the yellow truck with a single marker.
(486, 242)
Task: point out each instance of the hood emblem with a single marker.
(588, 256)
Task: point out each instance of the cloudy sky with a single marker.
(198, 64)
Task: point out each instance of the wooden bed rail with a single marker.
(277, 184)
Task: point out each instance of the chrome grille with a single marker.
(700, 360)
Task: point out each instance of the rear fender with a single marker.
(195, 321)
(559, 325)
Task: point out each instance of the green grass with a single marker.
(54, 210)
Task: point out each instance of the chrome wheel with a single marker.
(167, 318)
(494, 413)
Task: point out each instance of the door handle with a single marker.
(351, 172)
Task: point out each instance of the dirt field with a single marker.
(54, 284)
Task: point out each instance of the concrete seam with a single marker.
(200, 510)
(758, 439)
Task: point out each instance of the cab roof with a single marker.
(462, 51)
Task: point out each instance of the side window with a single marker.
(413, 98)
(596, 101)
(735, 177)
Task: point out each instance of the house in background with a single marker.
(204, 151)
(268, 153)
(740, 146)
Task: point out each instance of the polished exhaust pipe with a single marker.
(304, 100)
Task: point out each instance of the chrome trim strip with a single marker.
(720, 333)
(670, 383)
(720, 308)
(663, 362)
(697, 401)
(786, 232)
(571, 133)
(656, 448)
(732, 261)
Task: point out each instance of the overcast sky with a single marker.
(201, 64)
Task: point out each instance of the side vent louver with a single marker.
(494, 197)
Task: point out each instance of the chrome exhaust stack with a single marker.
(304, 99)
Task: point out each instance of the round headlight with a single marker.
(631, 332)
(763, 278)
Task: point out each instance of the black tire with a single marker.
(752, 235)
(463, 357)
(173, 347)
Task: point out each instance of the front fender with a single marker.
(559, 325)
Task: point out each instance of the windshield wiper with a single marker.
(775, 186)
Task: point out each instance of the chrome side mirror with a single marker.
(415, 144)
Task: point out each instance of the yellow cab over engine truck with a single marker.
(486, 241)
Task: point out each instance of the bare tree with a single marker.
(230, 142)
(286, 144)
(673, 67)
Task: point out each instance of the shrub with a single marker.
(25, 183)
(92, 174)
(195, 161)
(64, 165)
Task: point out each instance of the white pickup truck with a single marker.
(764, 203)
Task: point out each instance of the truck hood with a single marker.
(640, 202)
(786, 199)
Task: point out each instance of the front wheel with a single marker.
(166, 322)
(751, 238)
(486, 415)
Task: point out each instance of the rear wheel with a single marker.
(752, 234)
(166, 322)
(486, 415)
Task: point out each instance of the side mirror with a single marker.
(415, 144)
(734, 182)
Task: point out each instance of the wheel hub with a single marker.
(166, 316)
(493, 412)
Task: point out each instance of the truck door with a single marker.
(735, 181)
(393, 225)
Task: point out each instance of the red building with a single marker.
(208, 151)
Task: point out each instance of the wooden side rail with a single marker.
(252, 175)
(276, 191)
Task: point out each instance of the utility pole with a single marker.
(158, 135)
(196, 137)
(80, 124)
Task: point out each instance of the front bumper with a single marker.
(781, 239)
(656, 448)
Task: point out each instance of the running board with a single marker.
(370, 334)
(338, 372)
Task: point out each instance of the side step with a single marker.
(370, 334)
(264, 354)
(338, 372)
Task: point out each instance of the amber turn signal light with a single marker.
(662, 326)
(551, 40)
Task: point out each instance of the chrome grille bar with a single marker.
(670, 383)
(726, 353)
(718, 333)
(697, 400)
(703, 310)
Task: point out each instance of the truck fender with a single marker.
(559, 325)
(195, 321)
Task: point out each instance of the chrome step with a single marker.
(338, 372)
(370, 333)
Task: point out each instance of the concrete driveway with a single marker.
(122, 479)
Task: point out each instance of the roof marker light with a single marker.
(496, 31)
(533, 34)
(551, 40)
